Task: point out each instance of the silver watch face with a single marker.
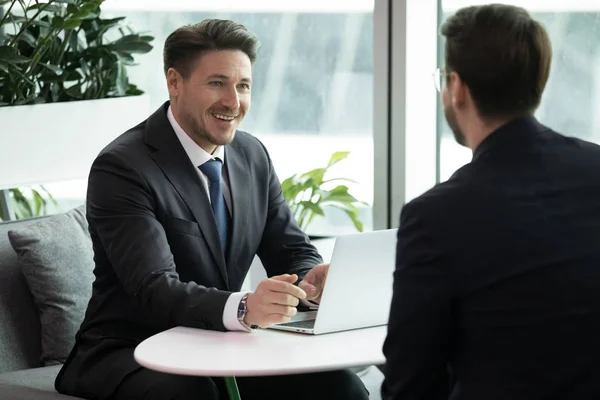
(242, 309)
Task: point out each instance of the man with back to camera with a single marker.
(178, 206)
(497, 271)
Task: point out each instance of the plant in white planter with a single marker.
(63, 51)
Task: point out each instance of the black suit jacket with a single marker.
(159, 262)
(497, 276)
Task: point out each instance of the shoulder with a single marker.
(444, 211)
(248, 141)
(442, 199)
(253, 149)
(126, 150)
(579, 144)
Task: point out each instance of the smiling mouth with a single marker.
(223, 117)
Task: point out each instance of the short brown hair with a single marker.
(185, 45)
(503, 56)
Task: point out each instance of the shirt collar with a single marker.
(196, 154)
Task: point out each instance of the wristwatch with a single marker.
(241, 313)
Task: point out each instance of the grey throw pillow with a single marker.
(57, 260)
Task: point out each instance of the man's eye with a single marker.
(216, 83)
(245, 86)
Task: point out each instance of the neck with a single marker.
(480, 129)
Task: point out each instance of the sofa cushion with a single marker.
(37, 383)
(19, 321)
(57, 260)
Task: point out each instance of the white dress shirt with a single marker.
(199, 156)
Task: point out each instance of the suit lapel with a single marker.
(177, 167)
(239, 187)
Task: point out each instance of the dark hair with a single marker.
(185, 45)
(502, 55)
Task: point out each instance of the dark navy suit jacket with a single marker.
(497, 282)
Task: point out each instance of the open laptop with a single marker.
(358, 289)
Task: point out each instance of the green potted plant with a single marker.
(63, 86)
(309, 193)
(28, 203)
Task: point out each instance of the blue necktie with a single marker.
(212, 170)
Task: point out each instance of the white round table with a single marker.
(188, 351)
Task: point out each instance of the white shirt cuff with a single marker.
(230, 320)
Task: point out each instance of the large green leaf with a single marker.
(74, 42)
(354, 217)
(50, 197)
(312, 207)
(39, 202)
(9, 55)
(337, 157)
(125, 57)
(132, 44)
(291, 188)
(102, 27)
(314, 178)
(110, 22)
(71, 76)
(72, 23)
(90, 15)
(339, 194)
(53, 68)
(26, 37)
(133, 90)
(52, 8)
(58, 22)
(22, 205)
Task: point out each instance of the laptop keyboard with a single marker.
(308, 324)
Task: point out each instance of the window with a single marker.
(571, 100)
(312, 93)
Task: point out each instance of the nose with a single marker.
(231, 99)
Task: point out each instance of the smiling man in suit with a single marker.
(178, 207)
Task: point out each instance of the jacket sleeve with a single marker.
(125, 230)
(284, 248)
(419, 335)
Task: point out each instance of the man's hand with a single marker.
(274, 301)
(314, 282)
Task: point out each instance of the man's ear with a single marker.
(174, 81)
(458, 90)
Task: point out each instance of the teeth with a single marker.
(224, 117)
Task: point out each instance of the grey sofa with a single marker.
(22, 376)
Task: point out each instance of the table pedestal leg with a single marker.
(232, 389)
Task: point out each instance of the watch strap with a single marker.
(242, 310)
